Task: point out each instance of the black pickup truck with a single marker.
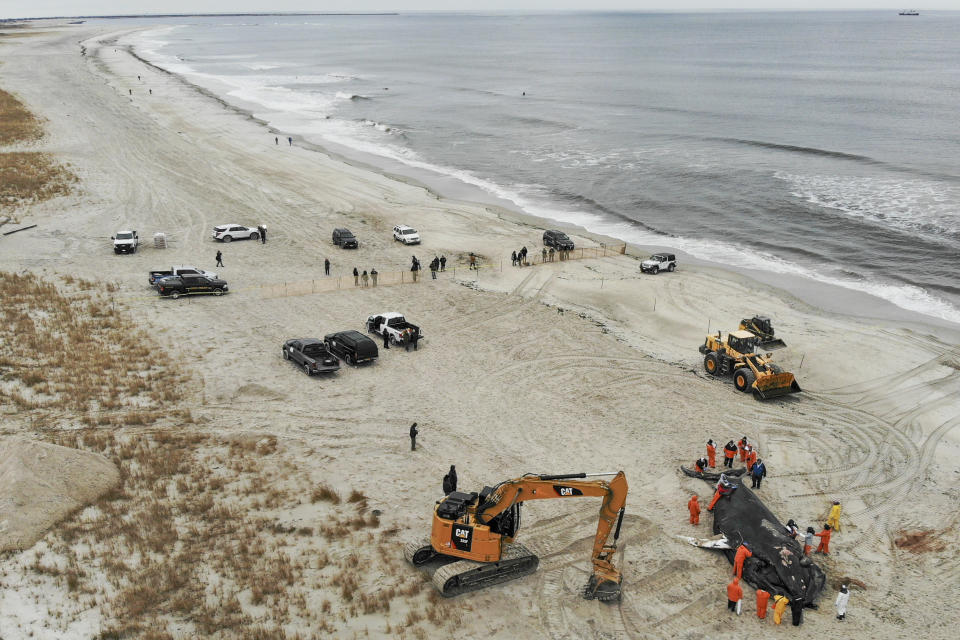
(311, 354)
(176, 286)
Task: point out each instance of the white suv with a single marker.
(406, 235)
(231, 232)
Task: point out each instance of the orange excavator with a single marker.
(474, 533)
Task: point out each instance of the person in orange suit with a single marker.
(694, 507)
(779, 606)
(824, 546)
(700, 465)
(742, 448)
(763, 597)
(712, 454)
(724, 488)
(734, 593)
(729, 451)
(751, 456)
(743, 552)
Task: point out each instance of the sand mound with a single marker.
(41, 483)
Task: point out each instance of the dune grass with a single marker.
(26, 177)
(71, 354)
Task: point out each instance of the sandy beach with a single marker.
(503, 384)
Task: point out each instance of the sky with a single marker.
(40, 8)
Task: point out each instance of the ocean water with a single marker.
(818, 144)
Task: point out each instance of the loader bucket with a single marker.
(775, 385)
(772, 344)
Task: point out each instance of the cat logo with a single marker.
(462, 537)
(566, 492)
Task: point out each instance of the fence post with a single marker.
(313, 286)
(801, 361)
(654, 304)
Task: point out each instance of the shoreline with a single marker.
(818, 294)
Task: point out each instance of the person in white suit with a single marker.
(842, 599)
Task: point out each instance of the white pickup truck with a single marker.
(392, 324)
(125, 242)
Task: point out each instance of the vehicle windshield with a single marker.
(347, 235)
(124, 236)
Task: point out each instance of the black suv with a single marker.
(176, 286)
(352, 346)
(557, 239)
(344, 239)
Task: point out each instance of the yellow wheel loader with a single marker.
(736, 354)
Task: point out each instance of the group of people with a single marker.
(519, 258)
(408, 338)
(439, 263)
(725, 487)
(262, 230)
(779, 603)
(756, 468)
(358, 277)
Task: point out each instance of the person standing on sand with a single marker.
(842, 598)
(219, 259)
(824, 546)
(373, 274)
(693, 505)
(276, 140)
(356, 277)
(513, 259)
(263, 234)
(414, 337)
(808, 541)
(544, 254)
(290, 141)
(551, 254)
(757, 473)
(834, 519)
(443, 262)
(450, 481)
(734, 594)
(326, 266)
(729, 451)
(366, 279)
(413, 436)
(712, 454)
(386, 340)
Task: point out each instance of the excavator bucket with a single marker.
(772, 344)
(775, 385)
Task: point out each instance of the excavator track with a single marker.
(419, 553)
(464, 576)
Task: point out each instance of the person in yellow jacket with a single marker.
(779, 606)
(834, 519)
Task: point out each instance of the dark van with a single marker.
(351, 346)
(557, 239)
(344, 239)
